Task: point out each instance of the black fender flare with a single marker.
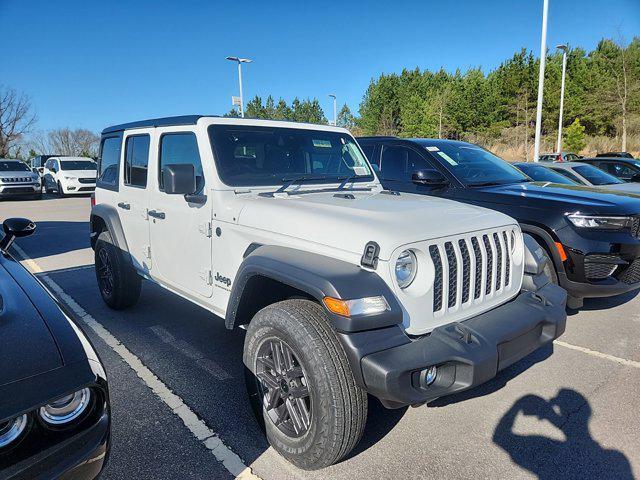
(109, 216)
(549, 243)
(318, 276)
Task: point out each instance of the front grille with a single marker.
(87, 180)
(635, 227)
(480, 264)
(632, 274)
(17, 180)
(600, 266)
(86, 189)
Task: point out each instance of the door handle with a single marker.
(155, 214)
(124, 206)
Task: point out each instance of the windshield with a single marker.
(543, 174)
(77, 165)
(13, 167)
(261, 156)
(473, 165)
(596, 176)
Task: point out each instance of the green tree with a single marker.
(346, 118)
(574, 138)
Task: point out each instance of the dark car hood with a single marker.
(27, 347)
(551, 195)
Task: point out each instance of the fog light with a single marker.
(66, 409)
(12, 429)
(430, 377)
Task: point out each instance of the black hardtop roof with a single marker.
(157, 122)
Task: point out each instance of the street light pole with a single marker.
(335, 110)
(564, 49)
(240, 61)
(543, 56)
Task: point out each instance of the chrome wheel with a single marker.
(105, 272)
(283, 388)
(12, 429)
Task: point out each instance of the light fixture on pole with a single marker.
(543, 56)
(335, 110)
(564, 49)
(240, 61)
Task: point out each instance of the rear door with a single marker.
(133, 200)
(180, 230)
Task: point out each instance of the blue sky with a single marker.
(90, 64)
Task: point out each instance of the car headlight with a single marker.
(66, 409)
(600, 222)
(406, 268)
(12, 429)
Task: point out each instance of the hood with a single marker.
(569, 197)
(27, 347)
(633, 188)
(349, 224)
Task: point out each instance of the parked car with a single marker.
(626, 169)
(344, 288)
(615, 155)
(542, 173)
(591, 176)
(70, 175)
(559, 157)
(54, 398)
(17, 179)
(593, 237)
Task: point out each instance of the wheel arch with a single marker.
(547, 242)
(104, 217)
(271, 273)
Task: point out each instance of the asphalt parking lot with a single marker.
(567, 411)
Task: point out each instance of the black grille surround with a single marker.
(496, 239)
(507, 251)
(466, 270)
(479, 262)
(632, 274)
(453, 273)
(87, 180)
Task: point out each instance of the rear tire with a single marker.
(332, 415)
(118, 282)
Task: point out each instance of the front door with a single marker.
(133, 200)
(180, 231)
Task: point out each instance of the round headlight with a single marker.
(406, 268)
(66, 409)
(12, 429)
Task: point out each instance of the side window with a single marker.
(136, 160)
(181, 148)
(569, 175)
(398, 163)
(621, 170)
(108, 162)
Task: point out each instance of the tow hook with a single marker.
(541, 299)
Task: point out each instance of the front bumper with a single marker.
(75, 186)
(80, 457)
(17, 189)
(467, 353)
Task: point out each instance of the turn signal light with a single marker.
(561, 252)
(358, 306)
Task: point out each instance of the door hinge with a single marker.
(147, 251)
(207, 276)
(206, 229)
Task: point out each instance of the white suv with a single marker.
(69, 175)
(344, 288)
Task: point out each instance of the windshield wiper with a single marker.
(288, 181)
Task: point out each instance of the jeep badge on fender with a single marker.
(345, 289)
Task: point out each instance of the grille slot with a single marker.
(635, 227)
(496, 240)
(466, 270)
(453, 273)
(479, 262)
(507, 252)
(437, 283)
(489, 275)
(632, 274)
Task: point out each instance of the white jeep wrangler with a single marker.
(344, 288)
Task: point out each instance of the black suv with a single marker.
(627, 169)
(593, 237)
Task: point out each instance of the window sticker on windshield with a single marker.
(360, 171)
(432, 149)
(448, 158)
(321, 143)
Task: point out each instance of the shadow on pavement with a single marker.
(578, 456)
(499, 381)
(54, 238)
(604, 303)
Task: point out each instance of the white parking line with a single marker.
(198, 428)
(594, 353)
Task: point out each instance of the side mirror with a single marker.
(429, 177)
(179, 179)
(15, 228)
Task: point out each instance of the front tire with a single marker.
(301, 386)
(118, 282)
(60, 190)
